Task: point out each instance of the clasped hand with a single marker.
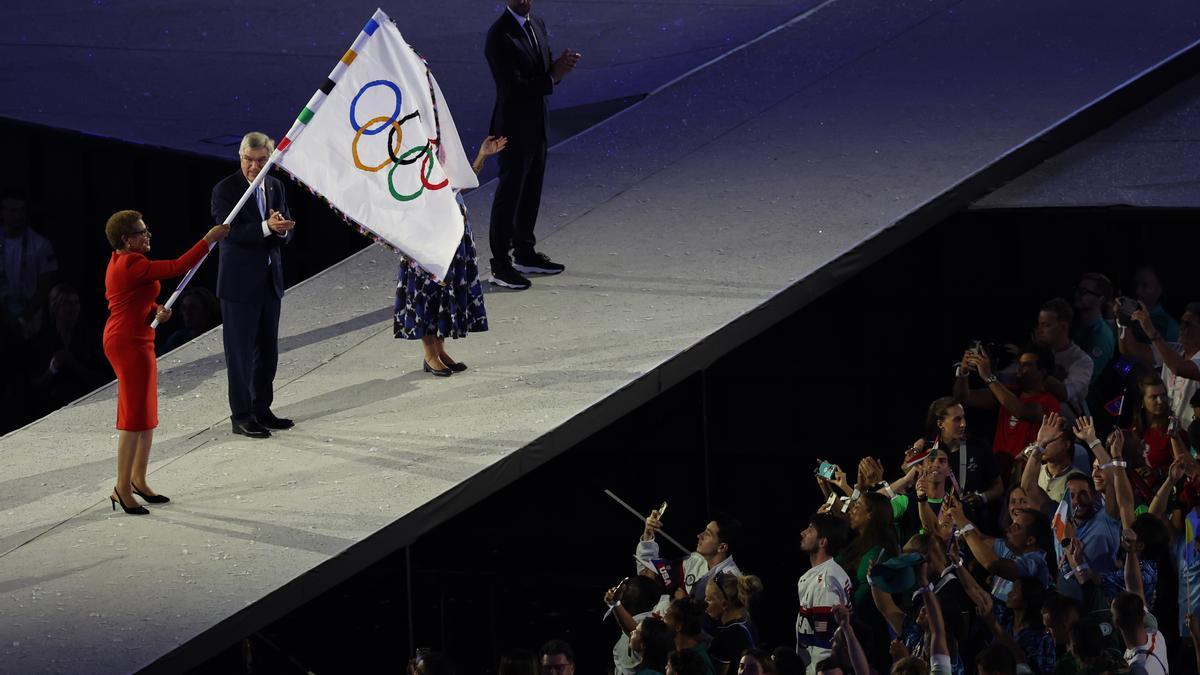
(278, 224)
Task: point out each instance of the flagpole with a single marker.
(643, 519)
(258, 180)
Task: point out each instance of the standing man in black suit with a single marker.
(250, 286)
(518, 52)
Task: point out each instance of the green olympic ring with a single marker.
(414, 153)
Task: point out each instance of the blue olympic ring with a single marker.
(395, 114)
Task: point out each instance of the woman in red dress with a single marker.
(131, 287)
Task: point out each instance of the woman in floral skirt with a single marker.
(431, 311)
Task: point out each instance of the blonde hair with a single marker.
(738, 590)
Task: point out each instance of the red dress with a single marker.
(131, 287)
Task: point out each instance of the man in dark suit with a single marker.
(250, 286)
(518, 53)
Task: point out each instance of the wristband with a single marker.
(990, 379)
(965, 529)
(1078, 571)
(887, 489)
(927, 588)
(922, 498)
(1116, 463)
(855, 495)
(1094, 444)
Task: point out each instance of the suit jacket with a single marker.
(246, 253)
(522, 76)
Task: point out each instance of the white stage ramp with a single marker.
(689, 223)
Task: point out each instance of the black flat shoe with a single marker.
(456, 367)
(252, 429)
(134, 510)
(446, 372)
(153, 499)
(270, 421)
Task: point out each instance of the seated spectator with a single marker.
(755, 662)
(519, 662)
(651, 641)
(1145, 648)
(686, 662)
(558, 658)
(1152, 421)
(1019, 555)
(824, 585)
(1148, 290)
(685, 618)
(1073, 366)
(970, 458)
(1052, 458)
(996, 659)
(1019, 412)
(1092, 332)
(1060, 613)
(1180, 360)
(27, 262)
(714, 551)
(631, 601)
(731, 595)
(787, 662)
(66, 357)
(200, 312)
(1088, 651)
(1025, 602)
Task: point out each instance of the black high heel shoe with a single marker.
(134, 510)
(153, 499)
(445, 372)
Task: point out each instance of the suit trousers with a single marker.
(518, 198)
(251, 334)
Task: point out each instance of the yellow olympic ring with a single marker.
(358, 134)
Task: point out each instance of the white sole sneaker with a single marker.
(500, 282)
(528, 269)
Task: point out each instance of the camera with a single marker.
(1126, 306)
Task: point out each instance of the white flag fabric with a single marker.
(378, 143)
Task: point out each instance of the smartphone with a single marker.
(662, 510)
(1172, 426)
(826, 470)
(1126, 306)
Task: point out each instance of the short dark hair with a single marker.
(657, 643)
(729, 530)
(1102, 282)
(910, 665)
(1078, 475)
(642, 593)
(691, 616)
(557, 647)
(1152, 534)
(787, 661)
(1059, 607)
(120, 225)
(687, 662)
(1039, 529)
(834, 530)
(1087, 639)
(1129, 611)
(995, 659)
(1061, 308)
(937, 410)
(1045, 357)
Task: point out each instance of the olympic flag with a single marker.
(378, 143)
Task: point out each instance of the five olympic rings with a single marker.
(395, 141)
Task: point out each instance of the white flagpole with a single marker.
(262, 175)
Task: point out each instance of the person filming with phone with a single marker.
(714, 552)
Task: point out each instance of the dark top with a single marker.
(251, 264)
(522, 76)
(732, 639)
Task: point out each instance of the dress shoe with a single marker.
(153, 499)
(251, 428)
(445, 372)
(270, 421)
(455, 366)
(135, 510)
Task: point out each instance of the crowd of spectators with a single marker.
(52, 320)
(1062, 540)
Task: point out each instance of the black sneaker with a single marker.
(506, 276)
(537, 263)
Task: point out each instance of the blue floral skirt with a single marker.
(445, 310)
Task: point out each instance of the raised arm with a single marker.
(962, 392)
(1085, 430)
(938, 644)
(982, 547)
(858, 657)
(1177, 363)
(886, 604)
(1029, 411)
(1162, 498)
(1116, 445)
(1029, 476)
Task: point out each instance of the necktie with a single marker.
(261, 195)
(529, 31)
